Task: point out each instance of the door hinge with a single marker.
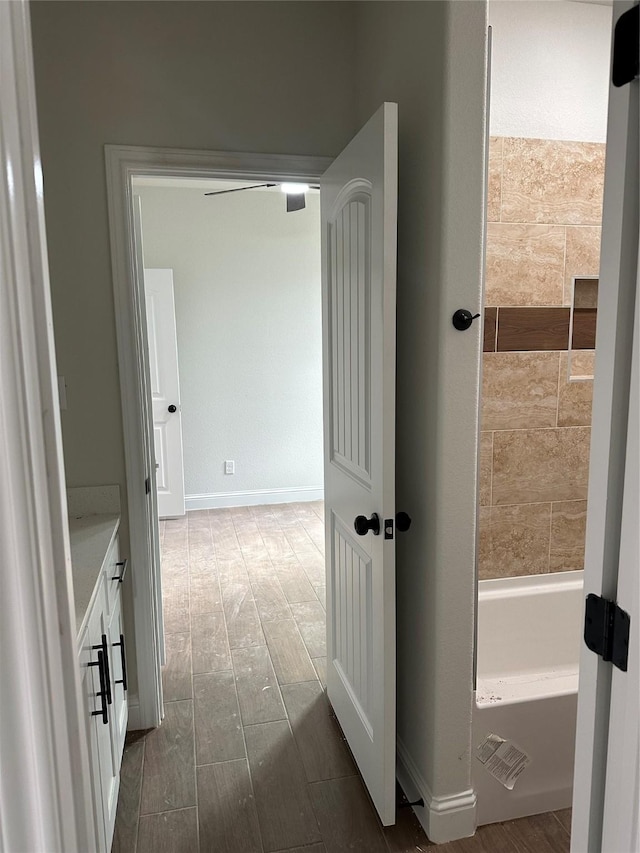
(606, 630)
(147, 486)
(626, 48)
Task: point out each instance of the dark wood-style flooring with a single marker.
(249, 758)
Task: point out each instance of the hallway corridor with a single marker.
(249, 758)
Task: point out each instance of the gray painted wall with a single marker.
(249, 320)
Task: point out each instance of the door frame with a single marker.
(44, 785)
(123, 163)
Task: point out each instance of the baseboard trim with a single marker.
(134, 720)
(254, 497)
(442, 818)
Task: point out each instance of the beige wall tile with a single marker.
(582, 256)
(533, 466)
(519, 390)
(494, 188)
(525, 264)
(546, 180)
(568, 530)
(486, 464)
(516, 541)
(575, 399)
(583, 362)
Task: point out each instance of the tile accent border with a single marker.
(534, 329)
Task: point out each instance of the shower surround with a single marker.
(544, 223)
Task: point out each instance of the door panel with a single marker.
(165, 391)
(358, 200)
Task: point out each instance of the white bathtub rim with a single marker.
(496, 588)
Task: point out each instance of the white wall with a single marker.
(550, 69)
(430, 58)
(249, 322)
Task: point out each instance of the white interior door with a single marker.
(165, 391)
(605, 794)
(359, 212)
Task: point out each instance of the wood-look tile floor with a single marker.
(249, 758)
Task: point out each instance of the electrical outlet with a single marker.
(229, 466)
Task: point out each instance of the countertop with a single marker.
(91, 537)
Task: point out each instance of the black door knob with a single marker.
(173, 408)
(363, 524)
(403, 521)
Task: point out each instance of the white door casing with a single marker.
(359, 235)
(165, 391)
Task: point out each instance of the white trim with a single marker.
(133, 713)
(44, 783)
(123, 163)
(254, 497)
(443, 818)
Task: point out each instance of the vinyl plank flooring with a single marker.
(226, 809)
(205, 592)
(312, 624)
(315, 848)
(175, 607)
(538, 834)
(282, 800)
(209, 644)
(408, 836)
(243, 626)
(313, 565)
(169, 832)
(321, 745)
(289, 655)
(564, 816)
(270, 600)
(295, 584)
(346, 817)
(320, 665)
(176, 673)
(258, 692)
(218, 727)
(168, 777)
(125, 832)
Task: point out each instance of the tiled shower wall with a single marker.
(544, 213)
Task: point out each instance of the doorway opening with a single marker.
(544, 216)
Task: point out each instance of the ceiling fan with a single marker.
(295, 193)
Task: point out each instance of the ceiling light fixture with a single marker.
(294, 189)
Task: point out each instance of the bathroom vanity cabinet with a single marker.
(98, 572)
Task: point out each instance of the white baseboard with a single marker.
(254, 497)
(443, 818)
(133, 719)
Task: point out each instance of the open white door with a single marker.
(165, 391)
(605, 797)
(359, 213)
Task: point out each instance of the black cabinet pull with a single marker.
(104, 648)
(123, 658)
(123, 571)
(363, 525)
(104, 710)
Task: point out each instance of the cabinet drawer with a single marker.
(115, 568)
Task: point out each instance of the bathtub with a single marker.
(529, 635)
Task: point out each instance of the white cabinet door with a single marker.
(90, 683)
(358, 200)
(119, 708)
(165, 391)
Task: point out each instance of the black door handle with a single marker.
(363, 525)
(172, 408)
(103, 712)
(104, 648)
(123, 660)
(403, 522)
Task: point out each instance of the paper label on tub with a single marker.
(503, 759)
